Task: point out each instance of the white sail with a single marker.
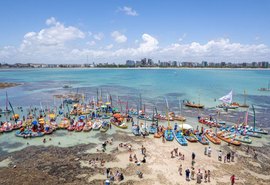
(227, 98)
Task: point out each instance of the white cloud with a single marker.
(98, 36)
(55, 35)
(110, 46)
(128, 11)
(91, 43)
(118, 37)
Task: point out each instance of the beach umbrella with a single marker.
(82, 117)
(103, 106)
(52, 116)
(16, 116)
(34, 122)
(186, 126)
(117, 115)
(108, 103)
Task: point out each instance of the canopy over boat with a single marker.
(185, 126)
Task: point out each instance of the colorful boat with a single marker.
(119, 124)
(202, 139)
(88, 126)
(71, 128)
(168, 134)
(212, 137)
(97, 125)
(28, 134)
(194, 105)
(7, 127)
(242, 139)
(104, 127)
(136, 130)
(178, 135)
(64, 124)
(226, 136)
(144, 129)
(153, 129)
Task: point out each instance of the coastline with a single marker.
(142, 68)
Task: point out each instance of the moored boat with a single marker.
(168, 134)
(225, 136)
(180, 138)
(212, 137)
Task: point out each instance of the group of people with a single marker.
(229, 157)
(174, 153)
(190, 174)
(93, 162)
(118, 176)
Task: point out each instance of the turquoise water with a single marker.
(195, 85)
(204, 85)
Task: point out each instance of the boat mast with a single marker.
(6, 102)
(244, 97)
(254, 118)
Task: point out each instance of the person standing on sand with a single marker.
(142, 149)
(232, 156)
(225, 158)
(193, 156)
(208, 175)
(205, 176)
(180, 170)
(192, 173)
(187, 174)
(233, 178)
(199, 177)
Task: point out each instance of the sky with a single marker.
(83, 31)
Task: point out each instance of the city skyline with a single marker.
(113, 31)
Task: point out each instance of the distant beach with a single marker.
(4, 85)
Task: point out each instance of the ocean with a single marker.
(154, 85)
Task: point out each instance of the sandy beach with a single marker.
(4, 85)
(60, 165)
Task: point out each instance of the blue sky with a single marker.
(116, 30)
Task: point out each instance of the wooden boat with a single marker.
(191, 138)
(194, 105)
(71, 128)
(180, 138)
(119, 124)
(136, 130)
(159, 134)
(153, 129)
(17, 125)
(97, 125)
(28, 134)
(48, 130)
(64, 124)
(179, 118)
(88, 126)
(249, 133)
(225, 136)
(168, 134)
(104, 127)
(202, 139)
(7, 127)
(144, 129)
(212, 137)
(242, 139)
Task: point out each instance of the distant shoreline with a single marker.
(145, 68)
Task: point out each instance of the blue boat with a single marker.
(153, 129)
(168, 134)
(28, 133)
(136, 130)
(180, 138)
(202, 139)
(251, 134)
